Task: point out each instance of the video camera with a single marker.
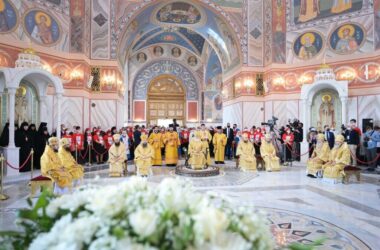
(293, 124)
(270, 123)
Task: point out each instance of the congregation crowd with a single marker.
(62, 159)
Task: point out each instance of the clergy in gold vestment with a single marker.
(197, 152)
(319, 157)
(269, 154)
(156, 141)
(51, 167)
(206, 139)
(69, 163)
(172, 143)
(219, 141)
(144, 154)
(339, 158)
(246, 153)
(117, 157)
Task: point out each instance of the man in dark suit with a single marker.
(353, 140)
(329, 136)
(229, 132)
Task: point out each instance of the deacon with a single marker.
(219, 141)
(156, 141)
(69, 162)
(172, 143)
(339, 158)
(144, 153)
(319, 157)
(197, 152)
(206, 140)
(269, 154)
(117, 157)
(246, 153)
(52, 168)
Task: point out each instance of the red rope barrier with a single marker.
(100, 153)
(22, 166)
(365, 162)
(85, 153)
(296, 153)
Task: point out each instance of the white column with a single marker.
(43, 109)
(307, 124)
(59, 103)
(344, 102)
(11, 112)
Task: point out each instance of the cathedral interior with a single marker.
(262, 67)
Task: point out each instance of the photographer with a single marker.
(298, 137)
(370, 148)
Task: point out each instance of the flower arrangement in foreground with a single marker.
(134, 215)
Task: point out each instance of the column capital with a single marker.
(12, 90)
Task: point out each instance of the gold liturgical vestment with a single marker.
(197, 152)
(143, 159)
(116, 159)
(219, 141)
(155, 140)
(70, 164)
(339, 158)
(206, 139)
(319, 157)
(172, 142)
(246, 152)
(268, 153)
(51, 167)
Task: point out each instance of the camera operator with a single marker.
(298, 137)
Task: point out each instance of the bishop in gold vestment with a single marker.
(246, 153)
(52, 168)
(319, 157)
(219, 141)
(117, 157)
(69, 163)
(172, 143)
(206, 139)
(339, 158)
(269, 154)
(156, 141)
(197, 152)
(144, 154)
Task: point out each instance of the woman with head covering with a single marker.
(4, 138)
(24, 142)
(40, 143)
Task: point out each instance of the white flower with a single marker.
(227, 241)
(144, 222)
(103, 243)
(209, 223)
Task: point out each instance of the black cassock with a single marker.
(4, 138)
(40, 143)
(24, 142)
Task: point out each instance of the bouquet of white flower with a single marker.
(133, 215)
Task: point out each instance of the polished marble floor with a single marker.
(298, 208)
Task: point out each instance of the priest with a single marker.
(269, 154)
(172, 143)
(197, 152)
(246, 153)
(144, 154)
(51, 167)
(117, 157)
(339, 158)
(156, 141)
(69, 163)
(219, 141)
(319, 157)
(206, 140)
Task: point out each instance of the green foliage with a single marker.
(298, 246)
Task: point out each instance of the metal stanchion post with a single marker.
(32, 164)
(76, 152)
(2, 195)
(89, 154)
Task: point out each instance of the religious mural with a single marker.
(141, 57)
(77, 8)
(42, 27)
(179, 12)
(8, 16)
(308, 45)
(192, 61)
(26, 104)
(255, 31)
(326, 110)
(312, 10)
(279, 31)
(347, 38)
(229, 3)
(158, 51)
(176, 52)
(377, 24)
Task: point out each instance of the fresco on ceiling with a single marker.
(179, 12)
(158, 51)
(213, 88)
(231, 46)
(312, 10)
(144, 37)
(77, 26)
(42, 27)
(278, 31)
(176, 52)
(255, 33)
(308, 45)
(192, 61)
(229, 3)
(196, 39)
(8, 16)
(377, 24)
(347, 38)
(141, 57)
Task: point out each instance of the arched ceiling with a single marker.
(189, 24)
